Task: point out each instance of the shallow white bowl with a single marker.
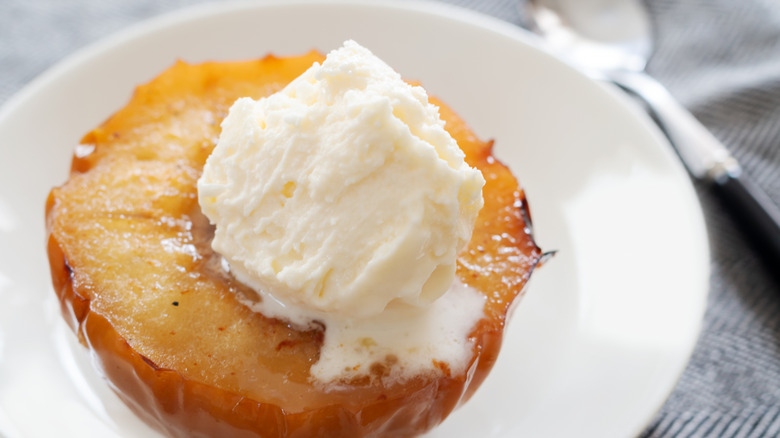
(608, 324)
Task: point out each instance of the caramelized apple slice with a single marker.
(138, 282)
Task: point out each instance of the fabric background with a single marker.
(720, 58)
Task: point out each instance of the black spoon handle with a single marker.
(758, 215)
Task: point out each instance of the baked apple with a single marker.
(171, 331)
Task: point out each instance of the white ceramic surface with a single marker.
(608, 324)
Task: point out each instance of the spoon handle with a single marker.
(706, 158)
(755, 212)
(703, 155)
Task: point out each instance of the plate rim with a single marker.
(203, 10)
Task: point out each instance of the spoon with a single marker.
(611, 40)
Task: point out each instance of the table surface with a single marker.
(720, 58)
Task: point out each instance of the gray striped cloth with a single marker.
(720, 58)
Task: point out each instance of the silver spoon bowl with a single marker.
(602, 35)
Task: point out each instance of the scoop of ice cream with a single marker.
(341, 194)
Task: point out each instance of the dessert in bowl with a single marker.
(257, 336)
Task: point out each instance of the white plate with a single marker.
(608, 324)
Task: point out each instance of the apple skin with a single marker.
(182, 403)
